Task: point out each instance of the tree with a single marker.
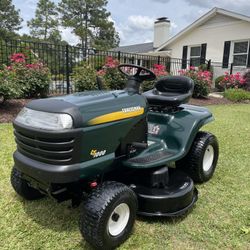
(45, 24)
(10, 21)
(89, 20)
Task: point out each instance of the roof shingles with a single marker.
(136, 48)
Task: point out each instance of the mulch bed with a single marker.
(209, 101)
(10, 109)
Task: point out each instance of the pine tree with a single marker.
(45, 24)
(89, 21)
(10, 21)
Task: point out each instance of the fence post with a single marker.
(231, 68)
(67, 68)
(209, 65)
(133, 59)
(159, 60)
(168, 64)
(119, 56)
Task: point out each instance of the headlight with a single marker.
(44, 120)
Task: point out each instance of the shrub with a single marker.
(202, 81)
(8, 88)
(160, 71)
(246, 77)
(203, 67)
(217, 83)
(110, 74)
(234, 81)
(84, 77)
(33, 79)
(24, 80)
(237, 95)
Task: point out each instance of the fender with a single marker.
(179, 129)
(172, 134)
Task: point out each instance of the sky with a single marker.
(134, 19)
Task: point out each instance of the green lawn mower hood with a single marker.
(94, 107)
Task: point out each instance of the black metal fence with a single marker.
(62, 59)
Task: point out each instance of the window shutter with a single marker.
(184, 57)
(226, 54)
(248, 60)
(203, 53)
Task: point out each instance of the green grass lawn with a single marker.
(219, 220)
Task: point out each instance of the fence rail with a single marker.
(61, 60)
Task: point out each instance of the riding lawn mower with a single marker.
(118, 153)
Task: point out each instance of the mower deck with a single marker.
(172, 200)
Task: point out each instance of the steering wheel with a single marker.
(137, 72)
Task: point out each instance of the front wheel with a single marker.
(201, 160)
(22, 187)
(108, 215)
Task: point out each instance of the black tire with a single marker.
(99, 210)
(194, 163)
(22, 187)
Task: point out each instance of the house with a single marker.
(220, 35)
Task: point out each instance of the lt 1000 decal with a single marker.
(96, 153)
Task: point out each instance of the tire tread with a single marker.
(94, 209)
(191, 162)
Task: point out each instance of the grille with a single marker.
(48, 149)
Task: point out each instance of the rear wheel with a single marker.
(201, 161)
(22, 187)
(108, 215)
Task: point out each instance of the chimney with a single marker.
(161, 31)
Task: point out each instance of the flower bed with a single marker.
(21, 79)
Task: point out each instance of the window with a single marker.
(195, 56)
(240, 53)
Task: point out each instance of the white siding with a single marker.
(214, 34)
(219, 19)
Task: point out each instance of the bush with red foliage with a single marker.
(24, 80)
(202, 80)
(112, 78)
(233, 81)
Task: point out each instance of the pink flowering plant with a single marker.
(234, 81)
(110, 74)
(24, 80)
(202, 80)
(160, 71)
(18, 58)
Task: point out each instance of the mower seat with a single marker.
(170, 91)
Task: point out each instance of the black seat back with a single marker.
(175, 84)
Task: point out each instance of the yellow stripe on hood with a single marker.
(115, 116)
